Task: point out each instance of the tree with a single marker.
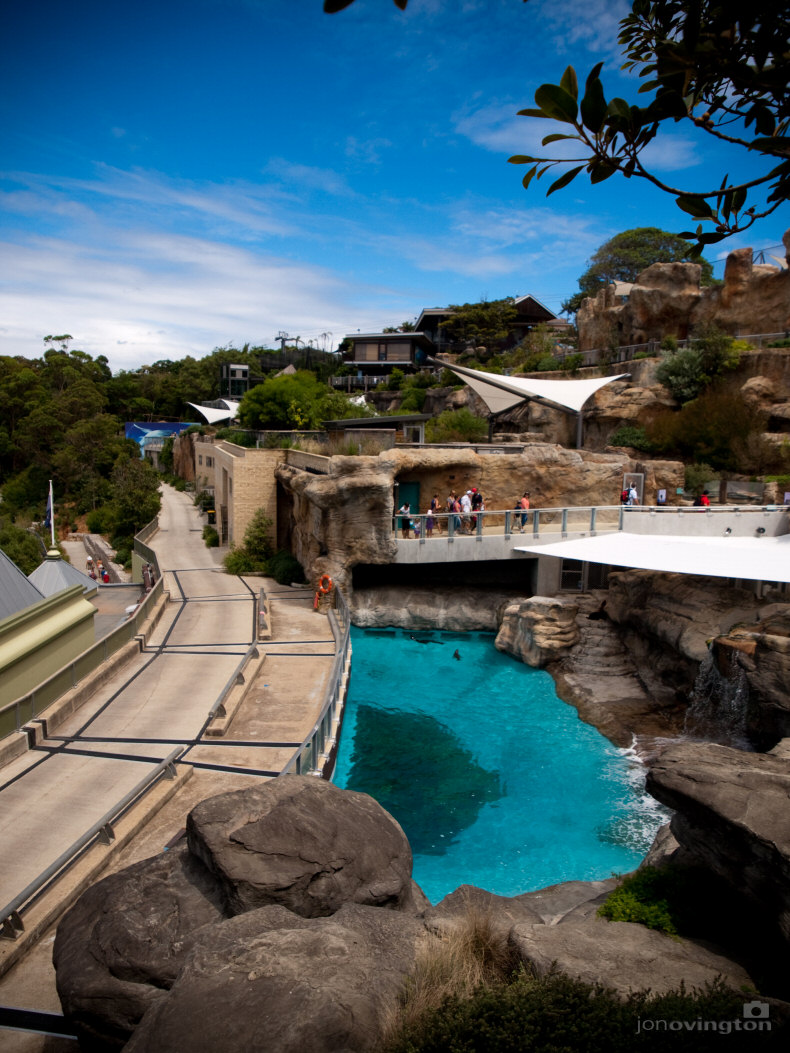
(715, 428)
(136, 497)
(689, 372)
(486, 323)
(624, 256)
(296, 402)
(720, 66)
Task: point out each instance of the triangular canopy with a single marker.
(501, 393)
(212, 415)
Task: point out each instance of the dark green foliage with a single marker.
(286, 568)
(136, 497)
(688, 372)
(237, 561)
(21, 547)
(624, 256)
(211, 537)
(641, 898)
(99, 521)
(395, 380)
(716, 428)
(630, 435)
(486, 324)
(456, 426)
(557, 1014)
(252, 556)
(239, 438)
(123, 555)
(413, 401)
(166, 454)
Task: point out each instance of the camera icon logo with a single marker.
(756, 1010)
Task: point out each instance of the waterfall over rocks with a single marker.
(719, 703)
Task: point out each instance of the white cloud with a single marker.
(496, 126)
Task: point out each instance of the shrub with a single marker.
(630, 435)
(573, 363)
(456, 426)
(99, 521)
(237, 561)
(123, 555)
(413, 401)
(211, 537)
(697, 476)
(286, 568)
(557, 1014)
(395, 381)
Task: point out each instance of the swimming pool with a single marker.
(495, 780)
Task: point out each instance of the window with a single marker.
(382, 352)
(209, 462)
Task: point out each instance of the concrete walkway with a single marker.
(159, 700)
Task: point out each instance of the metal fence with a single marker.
(316, 748)
(11, 923)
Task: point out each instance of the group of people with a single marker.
(96, 570)
(462, 510)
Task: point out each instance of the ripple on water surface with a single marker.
(495, 780)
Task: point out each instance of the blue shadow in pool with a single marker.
(459, 786)
(494, 779)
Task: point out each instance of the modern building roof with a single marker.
(55, 574)
(750, 558)
(501, 393)
(16, 592)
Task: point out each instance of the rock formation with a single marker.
(345, 518)
(731, 817)
(666, 300)
(539, 630)
(172, 953)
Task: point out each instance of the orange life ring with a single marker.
(325, 585)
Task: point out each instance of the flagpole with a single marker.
(51, 513)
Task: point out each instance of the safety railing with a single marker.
(540, 522)
(11, 922)
(536, 521)
(316, 748)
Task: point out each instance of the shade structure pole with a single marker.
(579, 429)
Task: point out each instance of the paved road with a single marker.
(51, 795)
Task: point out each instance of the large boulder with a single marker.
(539, 630)
(271, 980)
(120, 947)
(732, 816)
(623, 956)
(303, 843)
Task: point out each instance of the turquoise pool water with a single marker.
(496, 781)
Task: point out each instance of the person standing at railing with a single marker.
(435, 510)
(524, 502)
(429, 522)
(404, 512)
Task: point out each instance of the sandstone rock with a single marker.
(449, 608)
(120, 947)
(731, 816)
(538, 630)
(623, 956)
(271, 980)
(666, 300)
(468, 901)
(303, 843)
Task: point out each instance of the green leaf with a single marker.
(776, 144)
(738, 199)
(618, 108)
(600, 172)
(555, 137)
(556, 103)
(331, 7)
(710, 239)
(521, 159)
(564, 180)
(593, 106)
(697, 207)
(529, 177)
(569, 82)
(532, 113)
(594, 73)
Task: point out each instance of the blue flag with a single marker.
(48, 516)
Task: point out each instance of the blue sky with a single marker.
(184, 174)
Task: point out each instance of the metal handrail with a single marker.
(11, 925)
(305, 759)
(236, 677)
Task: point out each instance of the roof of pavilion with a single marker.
(501, 393)
(213, 415)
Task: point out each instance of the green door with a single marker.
(408, 492)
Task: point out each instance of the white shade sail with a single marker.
(211, 415)
(502, 393)
(749, 558)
